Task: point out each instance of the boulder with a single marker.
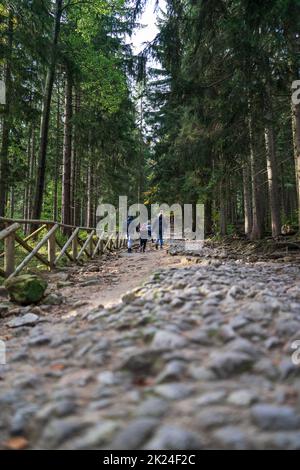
(26, 289)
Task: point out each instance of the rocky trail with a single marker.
(197, 354)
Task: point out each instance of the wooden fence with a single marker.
(73, 249)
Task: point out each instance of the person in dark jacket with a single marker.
(160, 230)
(130, 218)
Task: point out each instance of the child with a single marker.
(144, 235)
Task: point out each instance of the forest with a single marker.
(204, 114)
(122, 333)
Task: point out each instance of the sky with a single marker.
(148, 19)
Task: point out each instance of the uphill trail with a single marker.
(151, 351)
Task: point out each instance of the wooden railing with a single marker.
(74, 247)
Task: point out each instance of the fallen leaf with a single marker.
(57, 366)
(16, 443)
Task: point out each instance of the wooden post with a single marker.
(51, 248)
(75, 247)
(91, 247)
(9, 258)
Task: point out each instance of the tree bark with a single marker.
(256, 230)
(4, 164)
(44, 130)
(57, 159)
(272, 170)
(296, 139)
(247, 201)
(67, 156)
(223, 212)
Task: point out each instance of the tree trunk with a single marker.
(67, 156)
(256, 231)
(4, 164)
(44, 131)
(272, 169)
(223, 212)
(57, 159)
(296, 139)
(247, 201)
(89, 216)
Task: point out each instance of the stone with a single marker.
(53, 299)
(175, 438)
(30, 319)
(96, 436)
(238, 322)
(174, 391)
(226, 333)
(242, 398)
(39, 340)
(59, 430)
(173, 371)
(211, 398)
(143, 361)
(155, 407)
(26, 289)
(132, 436)
(215, 416)
(168, 340)
(230, 363)
(275, 418)
(232, 437)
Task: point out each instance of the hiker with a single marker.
(159, 231)
(144, 235)
(130, 218)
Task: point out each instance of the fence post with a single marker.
(91, 246)
(75, 247)
(51, 248)
(9, 257)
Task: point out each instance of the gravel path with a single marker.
(198, 357)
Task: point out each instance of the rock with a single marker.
(39, 340)
(227, 333)
(168, 340)
(108, 378)
(201, 373)
(30, 319)
(129, 297)
(275, 418)
(3, 291)
(244, 346)
(175, 438)
(53, 299)
(232, 437)
(173, 371)
(155, 407)
(134, 434)
(4, 308)
(272, 342)
(211, 398)
(242, 398)
(58, 430)
(230, 363)
(144, 361)
(238, 322)
(174, 391)
(26, 289)
(21, 420)
(96, 436)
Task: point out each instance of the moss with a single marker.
(26, 289)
